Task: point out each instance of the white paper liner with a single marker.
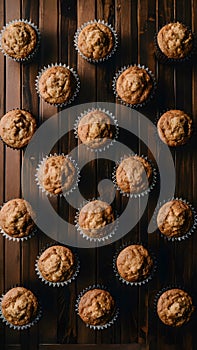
(58, 284)
(34, 52)
(76, 36)
(103, 236)
(74, 185)
(75, 93)
(187, 234)
(152, 92)
(23, 327)
(137, 283)
(98, 327)
(108, 143)
(140, 194)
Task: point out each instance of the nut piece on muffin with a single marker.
(19, 40)
(134, 174)
(96, 307)
(174, 127)
(56, 174)
(95, 129)
(16, 218)
(17, 128)
(175, 218)
(134, 263)
(95, 217)
(95, 41)
(56, 264)
(175, 40)
(175, 307)
(19, 306)
(134, 85)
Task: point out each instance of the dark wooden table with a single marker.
(136, 22)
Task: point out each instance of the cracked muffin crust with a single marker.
(134, 85)
(175, 40)
(134, 263)
(174, 307)
(134, 174)
(95, 129)
(96, 307)
(57, 84)
(17, 128)
(19, 306)
(16, 218)
(19, 39)
(174, 127)
(57, 174)
(95, 41)
(56, 264)
(175, 218)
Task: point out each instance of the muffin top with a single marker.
(96, 307)
(134, 174)
(19, 306)
(175, 218)
(175, 307)
(175, 40)
(15, 218)
(134, 85)
(95, 41)
(17, 128)
(56, 264)
(134, 263)
(174, 127)
(57, 174)
(19, 39)
(56, 85)
(95, 128)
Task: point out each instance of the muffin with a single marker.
(174, 127)
(19, 39)
(19, 306)
(134, 85)
(95, 41)
(175, 218)
(174, 307)
(56, 264)
(16, 218)
(17, 128)
(56, 174)
(134, 263)
(95, 129)
(57, 84)
(95, 217)
(175, 40)
(134, 175)
(96, 307)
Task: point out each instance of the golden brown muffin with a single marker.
(175, 218)
(174, 127)
(17, 128)
(19, 306)
(175, 307)
(134, 85)
(57, 174)
(56, 85)
(134, 174)
(56, 264)
(19, 40)
(175, 40)
(95, 129)
(95, 41)
(96, 307)
(134, 263)
(16, 218)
